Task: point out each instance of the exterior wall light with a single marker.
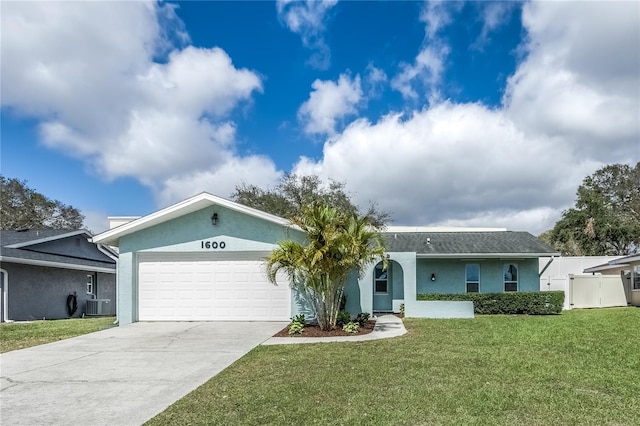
(214, 219)
(433, 277)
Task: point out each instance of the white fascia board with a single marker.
(56, 265)
(189, 205)
(108, 251)
(406, 229)
(605, 267)
(625, 259)
(53, 238)
(483, 255)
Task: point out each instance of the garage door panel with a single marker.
(210, 290)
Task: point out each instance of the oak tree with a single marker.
(22, 207)
(606, 217)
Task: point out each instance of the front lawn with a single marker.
(23, 335)
(581, 367)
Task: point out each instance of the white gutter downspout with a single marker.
(5, 295)
(546, 266)
(544, 269)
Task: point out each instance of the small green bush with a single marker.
(343, 318)
(362, 318)
(296, 328)
(297, 324)
(528, 303)
(351, 327)
(298, 318)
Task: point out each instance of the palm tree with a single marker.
(336, 245)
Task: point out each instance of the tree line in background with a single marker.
(605, 219)
(22, 207)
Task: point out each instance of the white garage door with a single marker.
(210, 291)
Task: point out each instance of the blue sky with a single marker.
(444, 113)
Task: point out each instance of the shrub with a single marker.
(343, 318)
(529, 303)
(298, 318)
(297, 324)
(402, 308)
(362, 318)
(351, 327)
(296, 327)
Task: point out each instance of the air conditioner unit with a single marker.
(98, 307)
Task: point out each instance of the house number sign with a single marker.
(212, 244)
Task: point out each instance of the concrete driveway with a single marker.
(120, 376)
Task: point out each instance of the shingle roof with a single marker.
(27, 255)
(8, 238)
(474, 243)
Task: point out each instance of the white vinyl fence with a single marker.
(590, 291)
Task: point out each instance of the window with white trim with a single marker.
(472, 277)
(510, 272)
(380, 276)
(636, 277)
(89, 284)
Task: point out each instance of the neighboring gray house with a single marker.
(40, 269)
(202, 259)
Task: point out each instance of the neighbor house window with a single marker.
(472, 274)
(380, 276)
(636, 277)
(89, 284)
(510, 277)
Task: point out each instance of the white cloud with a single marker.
(221, 180)
(571, 107)
(86, 71)
(436, 15)
(451, 162)
(95, 221)
(306, 18)
(375, 79)
(330, 102)
(493, 16)
(579, 82)
(425, 73)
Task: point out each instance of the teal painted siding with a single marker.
(450, 275)
(397, 279)
(197, 226)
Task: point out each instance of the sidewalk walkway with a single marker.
(386, 326)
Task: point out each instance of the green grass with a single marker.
(581, 367)
(23, 335)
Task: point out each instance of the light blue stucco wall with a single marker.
(197, 226)
(402, 284)
(450, 275)
(411, 276)
(185, 234)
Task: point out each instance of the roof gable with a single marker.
(190, 205)
(57, 248)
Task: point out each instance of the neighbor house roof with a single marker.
(622, 262)
(468, 244)
(182, 208)
(25, 247)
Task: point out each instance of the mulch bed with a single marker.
(311, 330)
